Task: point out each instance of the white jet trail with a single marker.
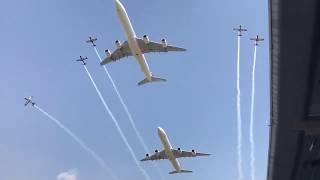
(123, 105)
(252, 144)
(95, 156)
(239, 122)
(146, 149)
(117, 126)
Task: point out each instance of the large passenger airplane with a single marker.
(136, 47)
(171, 154)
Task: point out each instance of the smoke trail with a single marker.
(124, 105)
(146, 149)
(252, 163)
(95, 156)
(117, 126)
(239, 122)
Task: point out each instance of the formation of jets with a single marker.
(137, 47)
(255, 39)
(171, 154)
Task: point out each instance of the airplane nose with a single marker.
(160, 130)
(118, 4)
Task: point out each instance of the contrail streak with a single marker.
(124, 105)
(252, 144)
(95, 156)
(146, 149)
(239, 122)
(117, 126)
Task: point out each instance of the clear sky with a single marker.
(196, 107)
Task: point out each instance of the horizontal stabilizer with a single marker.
(153, 79)
(181, 171)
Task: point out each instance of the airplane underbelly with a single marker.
(135, 50)
(144, 66)
(167, 148)
(175, 163)
(134, 47)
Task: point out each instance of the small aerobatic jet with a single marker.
(240, 30)
(83, 60)
(171, 154)
(92, 40)
(28, 100)
(136, 47)
(256, 40)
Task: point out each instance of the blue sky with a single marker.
(196, 107)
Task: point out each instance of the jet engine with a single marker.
(147, 155)
(164, 43)
(157, 153)
(146, 39)
(108, 53)
(179, 150)
(118, 44)
(193, 152)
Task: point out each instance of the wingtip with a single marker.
(102, 63)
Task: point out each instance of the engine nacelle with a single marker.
(118, 44)
(147, 155)
(146, 39)
(193, 152)
(164, 43)
(108, 53)
(179, 150)
(157, 152)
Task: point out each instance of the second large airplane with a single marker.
(171, 154)
(136, 47)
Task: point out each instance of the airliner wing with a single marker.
(180, 154)
(156, 47)
(123, 51)
(156, 156)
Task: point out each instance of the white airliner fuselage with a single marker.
(131, 35)
(171, 154)
(167, 148)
